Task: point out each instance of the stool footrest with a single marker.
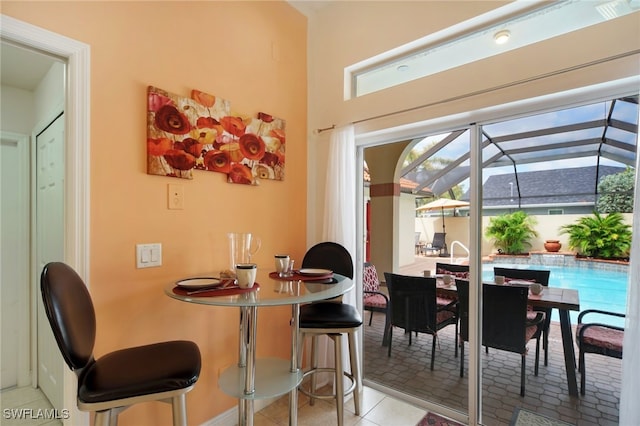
(312, 394)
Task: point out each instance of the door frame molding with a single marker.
(76, 157)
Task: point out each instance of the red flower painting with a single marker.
(201, 133)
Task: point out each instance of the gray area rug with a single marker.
(522, 417)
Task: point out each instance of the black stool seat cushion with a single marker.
(329, 315)
(141, 370)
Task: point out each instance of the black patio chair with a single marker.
(597, 338)
(373, 299)
(504, 322)
(414, 308)
(438, 244)
(541, 277)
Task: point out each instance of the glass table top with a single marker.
(270, 292)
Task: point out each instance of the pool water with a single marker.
(597, 288)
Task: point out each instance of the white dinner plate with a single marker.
(315, 272)
(521, 282)
(199, 283)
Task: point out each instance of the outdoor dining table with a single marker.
(255, 379)
(562, 299)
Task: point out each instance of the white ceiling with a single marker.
(23, 68)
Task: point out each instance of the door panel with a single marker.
(49, 242)
(14, 260)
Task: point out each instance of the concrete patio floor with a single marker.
(407, 371)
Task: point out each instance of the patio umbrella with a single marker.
(441, 204)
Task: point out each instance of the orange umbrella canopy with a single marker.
(443, 203)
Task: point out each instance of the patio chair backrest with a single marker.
(413, 302)
(459, 271)
(438, 240)
(370, 279)
(504, 316)
(538, 275)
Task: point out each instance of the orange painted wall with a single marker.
(251, 53)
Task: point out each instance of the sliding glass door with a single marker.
(533, 176)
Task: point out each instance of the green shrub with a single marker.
(600, 236)
(511, 232)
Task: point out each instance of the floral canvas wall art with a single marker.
(201, 133)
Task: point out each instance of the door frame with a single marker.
(77, 166)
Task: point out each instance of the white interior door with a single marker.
(50, 247)
(14, 260)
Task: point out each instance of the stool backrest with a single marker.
(69, 309)
(329, 255)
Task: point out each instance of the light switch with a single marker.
(175, 197)
(148, 255)
(145, 255)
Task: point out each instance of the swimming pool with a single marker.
(598, 289)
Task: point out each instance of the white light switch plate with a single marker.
(148, 255)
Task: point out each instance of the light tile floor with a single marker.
(377, 409)
(25, 403)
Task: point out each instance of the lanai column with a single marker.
(384, 191)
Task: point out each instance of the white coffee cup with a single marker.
(536, 288)
(246, 274)
(499, 279)
(282, 264)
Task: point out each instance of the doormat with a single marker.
(522, 417)
(432, 419)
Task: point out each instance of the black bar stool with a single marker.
(333, 319)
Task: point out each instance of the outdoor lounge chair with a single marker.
(438, 244)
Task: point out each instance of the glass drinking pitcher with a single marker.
(242, 247)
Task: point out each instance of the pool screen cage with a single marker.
(545, 161)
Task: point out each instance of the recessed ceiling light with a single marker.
(501, 37)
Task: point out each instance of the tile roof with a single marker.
(548, 187)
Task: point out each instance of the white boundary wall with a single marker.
(548, 228)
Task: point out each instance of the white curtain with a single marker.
(339, 223)
(629, 407)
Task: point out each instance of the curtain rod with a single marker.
(317, 131)
(490, 89)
